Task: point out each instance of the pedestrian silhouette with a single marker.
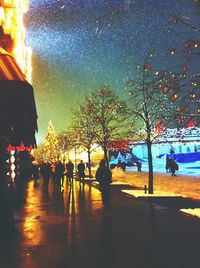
(35, 172)
(167, 166)
(59, 173)
(104, 177)
(173, 166)
(123, 166)
(46, 173)
(139, 166)
(70, 171)
(53, 173)
(81, 171)
(119, 164)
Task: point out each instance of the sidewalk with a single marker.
(70, 229)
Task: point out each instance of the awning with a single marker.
(9, 69)
(18, 116)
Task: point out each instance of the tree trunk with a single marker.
(106, 156)
(75, 160)
(89, 164)
(150, 164)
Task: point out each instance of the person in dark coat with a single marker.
(70, 171)
(59, 173)
(173, 166)
(167, 167)
(123, 166)
(81, 171)
(139, 166)
(46, 172)
(35, 171)
(104, 177)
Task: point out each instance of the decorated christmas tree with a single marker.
(51, 148)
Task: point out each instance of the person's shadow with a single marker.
(71, 215)
(106, 239)
(81, 195)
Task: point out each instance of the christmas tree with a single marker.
(51, 148)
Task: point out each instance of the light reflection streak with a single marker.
(70, 206)
(81, 200)
(32, 225)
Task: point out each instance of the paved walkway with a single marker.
(70, 229)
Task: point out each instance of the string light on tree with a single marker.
(51, 148)
(174, 97)
(165, 89)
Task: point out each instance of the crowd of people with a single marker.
(57, 171)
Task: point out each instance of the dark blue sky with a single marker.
(78, 46)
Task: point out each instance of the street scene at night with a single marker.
(99, 133)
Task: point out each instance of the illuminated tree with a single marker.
(187, 59)
(85, 130)
(67, 140)
(153, 104)
(107, 113)
(39, 153)
(64, 144)
(51, 148)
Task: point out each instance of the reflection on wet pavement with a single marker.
(51, 222)
(48, 206)
(69, 228)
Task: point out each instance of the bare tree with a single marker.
(64, 143)
(153, 102)
(107, 114)
(85, 130)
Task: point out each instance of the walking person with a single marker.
(46, 173)
(167, 167)
(81, 171)
(104, 177)
(59, 173)
(123, 166)
(35, 172)
(139, 166)
(70, 171)
(53, 173)
(173, 166)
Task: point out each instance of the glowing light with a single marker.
(174, 76)
(165, 89)
(11, 20)
(192, 95)
(174, 97)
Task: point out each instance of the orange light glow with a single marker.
(12, 34)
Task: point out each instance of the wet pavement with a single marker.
(69, 228)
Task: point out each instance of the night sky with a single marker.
(78, 46)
